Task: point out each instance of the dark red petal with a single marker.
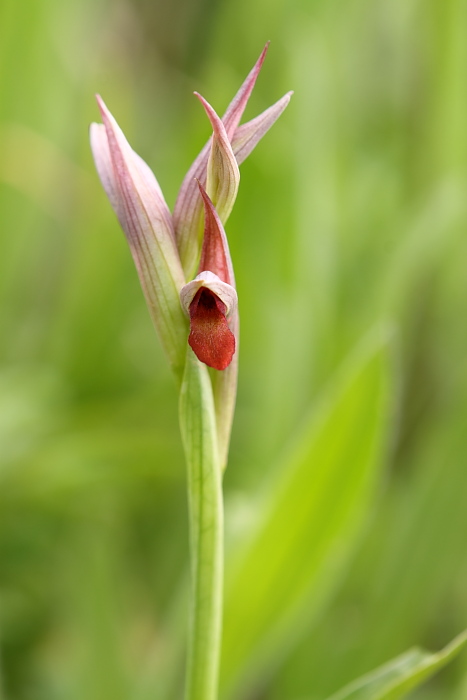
(210, 338)
(215, 254)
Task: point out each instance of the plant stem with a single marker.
(198, 427)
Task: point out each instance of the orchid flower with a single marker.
(196, 318)
(167, 248)
(210, 299)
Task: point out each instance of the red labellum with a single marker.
(210, 338)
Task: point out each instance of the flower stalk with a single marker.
(199, 435)
(197, 320)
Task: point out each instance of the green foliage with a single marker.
(398, 677)
(307, 517)
(352, 213)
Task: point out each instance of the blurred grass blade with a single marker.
(308, 518)
(401, 675)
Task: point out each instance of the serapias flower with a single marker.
(210, 300)
(167, 249)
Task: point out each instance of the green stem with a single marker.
(198, 427)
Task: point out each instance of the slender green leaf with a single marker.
(308, 518)
(401, 675)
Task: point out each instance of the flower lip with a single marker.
(209, 302)
(210, 337)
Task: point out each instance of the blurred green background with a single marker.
(352, 213)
